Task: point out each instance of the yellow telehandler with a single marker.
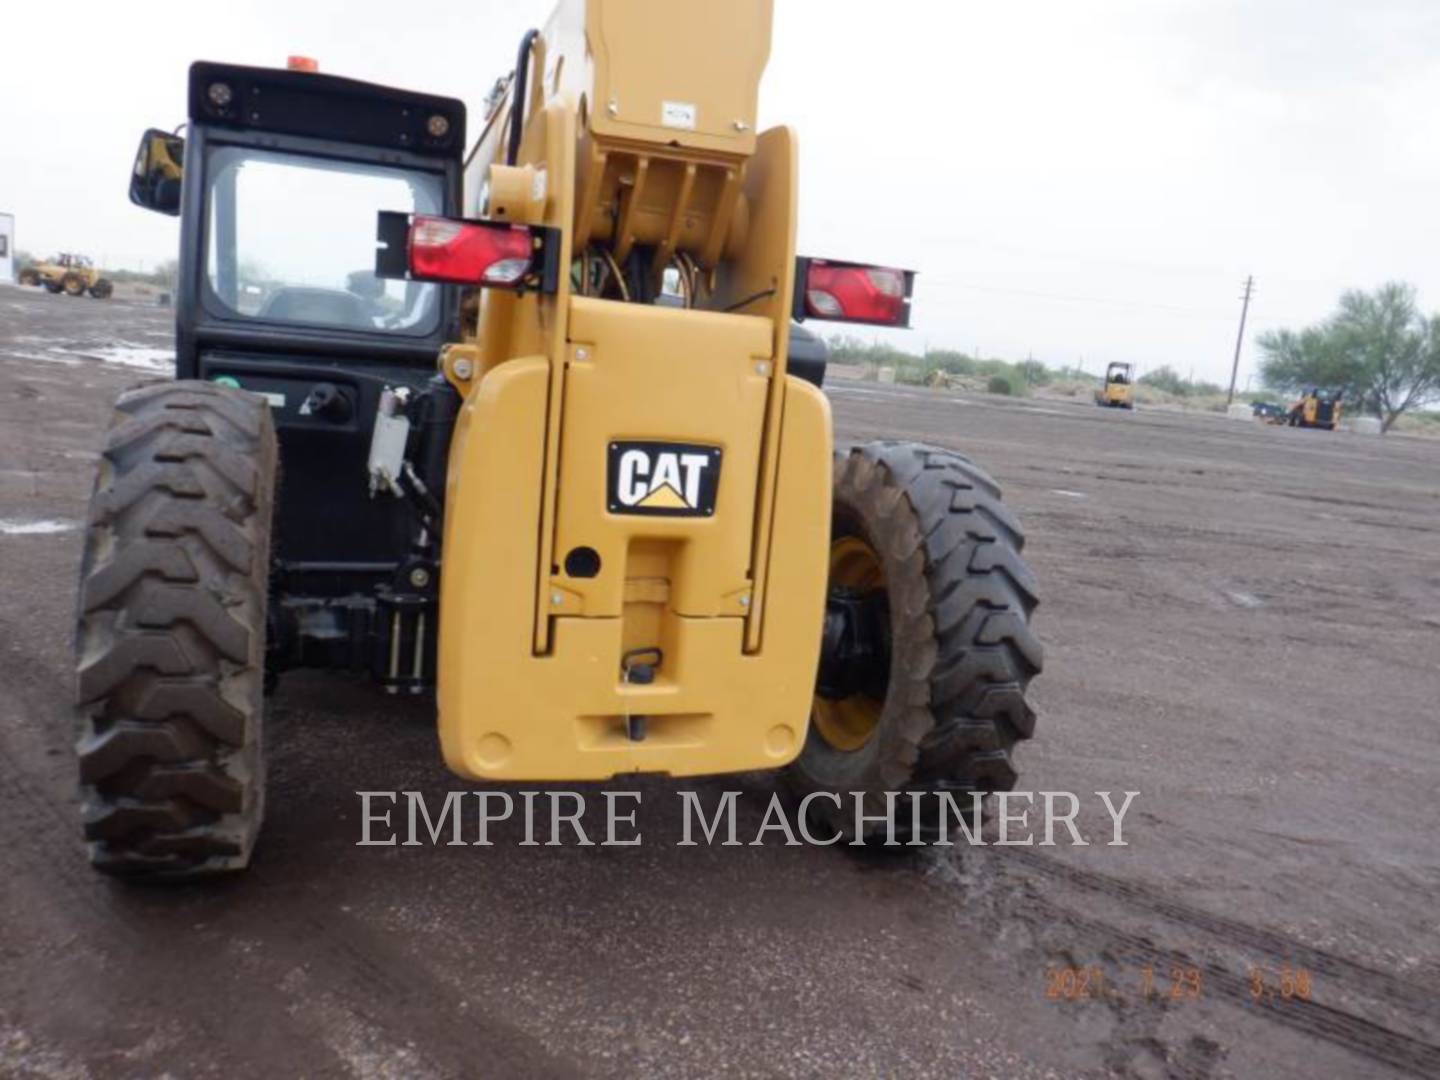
(552, 450)
(1117, 390)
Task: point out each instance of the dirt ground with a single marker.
(1242, 624)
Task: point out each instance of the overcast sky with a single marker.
(1072, 178)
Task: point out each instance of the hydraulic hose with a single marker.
(517, 101)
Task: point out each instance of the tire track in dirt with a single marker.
(1310, 1018)
(370, 985)
(371, 976)
(1341, 1027)
(1393, 990)
(132, 976)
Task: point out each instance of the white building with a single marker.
(7, 248)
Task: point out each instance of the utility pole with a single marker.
(1240, 338)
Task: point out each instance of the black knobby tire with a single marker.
(961, 649)
(102, 289)
(170, 640)
(28, 277)
(73, 284)
(52, 287)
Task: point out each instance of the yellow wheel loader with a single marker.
(74, 275)
(1117, 389)
(550, 447)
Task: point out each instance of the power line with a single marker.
(971, 241)
(951, 283)
(1208, 313)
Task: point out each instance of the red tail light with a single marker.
(469, 254)
(485, 253)
(852, 292)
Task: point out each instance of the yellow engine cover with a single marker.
(669, 553)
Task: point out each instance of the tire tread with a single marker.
(170, 632)
(961, 599)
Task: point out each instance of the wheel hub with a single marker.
(855, 647)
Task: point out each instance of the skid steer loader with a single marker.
(1316, 408)
(531, 428)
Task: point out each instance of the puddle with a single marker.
(34, 528)
(140, 356)
(1069, 494)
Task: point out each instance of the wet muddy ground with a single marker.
(1242, 624)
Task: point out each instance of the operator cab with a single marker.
(1115, 391)
(277, 181)
(284, 173)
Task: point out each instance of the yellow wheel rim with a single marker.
(847, 724)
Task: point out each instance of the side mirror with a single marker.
(155, 180)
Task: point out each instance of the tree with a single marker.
(1034, 372)
(956, 363)
(1165, 378)
(1168, 379)
(1378, 349)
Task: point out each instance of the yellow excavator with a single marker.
(550, 450)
